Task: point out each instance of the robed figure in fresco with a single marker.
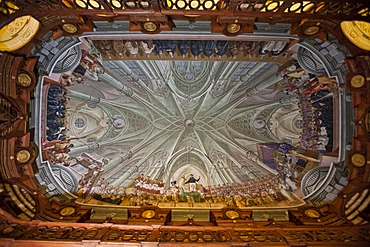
(192, 181)
(190, 189)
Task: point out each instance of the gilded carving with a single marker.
(231, 214)
(23, 156)
(357, 81)
(312, 213)
(24, 80)
(358, 32)
(233, 28)
(150, 26)
(148, 214)
(18, 33)
(358, 160)
(69, 28)
(67, 211)
(311, 30)
(15, 26)
(113, 235)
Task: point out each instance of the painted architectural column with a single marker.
(154, 172)
(115, 84)
(125, 176)
(265, 83)
(227, 172)
(128, 71)
(82, 96)
(221, 174)
(83, 148)
(251, 72)
(247, 171)
(116, 161)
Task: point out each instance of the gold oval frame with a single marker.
(357, 32)
(312, 213)
(311, 30)
(69, 28)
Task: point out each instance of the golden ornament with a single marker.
(312, 213)
(150, 26)
(357, 81)
(358, 160)
(148, 214)
(24, 80)
(311, 30)
(69, 28)
(233, 28)
(23, 156)
(231, 214)
(67, 211)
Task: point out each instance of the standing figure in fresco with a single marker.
(192, 181)
(284, 191)
(249, 47)
(69, 80)
(196, 47)
(164, 45)
(273, 47)
(119, 47)
(183, 46)
(132, 47)
(265, 47)
(174, 191)
(235, 48)
(169, 46)
(92, 75)
(158, 47)
(209, 48)
(147, 47)
(105, 47)
(221, 47)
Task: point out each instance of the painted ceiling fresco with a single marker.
(156, 122)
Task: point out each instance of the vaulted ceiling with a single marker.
(165, 89)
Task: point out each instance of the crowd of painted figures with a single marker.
(271, 190)
(89, 69)
(317, 115)
(316, 106)
(56, 141)
(114, 49)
